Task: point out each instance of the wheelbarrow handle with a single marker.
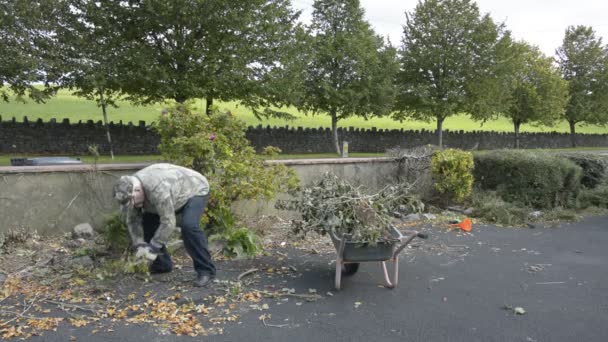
(411, 236)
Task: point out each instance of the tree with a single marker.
(534, 89)
(212, 49)
(28, 56)
(583, 61)
(92, 44)
(349, 68)
(448, 50)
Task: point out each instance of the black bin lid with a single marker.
(40, 161)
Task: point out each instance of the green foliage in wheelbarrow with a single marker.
(334, 204)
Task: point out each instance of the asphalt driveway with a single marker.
(453, 287)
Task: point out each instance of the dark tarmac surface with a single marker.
(453, 287)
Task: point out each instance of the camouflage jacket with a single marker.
(167, 189)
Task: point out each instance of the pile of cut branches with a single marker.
(333, 204)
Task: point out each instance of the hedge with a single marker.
(535, 179)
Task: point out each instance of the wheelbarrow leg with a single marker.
(338, 273)
(340, 262)
(391, 284)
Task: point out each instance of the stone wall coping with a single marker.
(321, 161)
(138, 166)
(71, 168)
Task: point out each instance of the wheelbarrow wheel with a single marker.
(350, 269)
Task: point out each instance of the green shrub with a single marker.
(215, 145)
(529, 178)
(116, 233)
(239, 243)
(595, 168)
(452, 172)
(596, 197)
(492, 209)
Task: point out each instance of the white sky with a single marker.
(539, 22)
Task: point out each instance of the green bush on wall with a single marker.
(595, 167)
(452, 173)
(534, 179)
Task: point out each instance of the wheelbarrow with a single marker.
(352, 253)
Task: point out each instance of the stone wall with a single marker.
(64, 137)
(53, 199)
(74, 138)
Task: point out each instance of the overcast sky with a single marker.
(539, 22)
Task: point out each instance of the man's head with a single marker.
(128, 192)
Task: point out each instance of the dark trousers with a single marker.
(195, 240)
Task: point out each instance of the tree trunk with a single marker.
(209, 103)
(516, 125)
(440, 131)
(572, 132)
(105, 122)
(334, 130)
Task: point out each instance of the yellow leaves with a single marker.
(50, 323)
(220, 301)
(121, 314)
(186, 308)
(11, 332)
(253, 296)
(11, 286)
(131, 296)
(134, 307)
(78, 323)
(66, 295)
(223, 320)
(265, 317)
(148, 294)
(111, 311)
(189, 328)
(202, 309)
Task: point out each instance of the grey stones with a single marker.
(83, 261)
(83, 231)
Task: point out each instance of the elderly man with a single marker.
(152, 197)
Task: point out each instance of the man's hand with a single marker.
(145, 251)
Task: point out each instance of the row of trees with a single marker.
(452, 59)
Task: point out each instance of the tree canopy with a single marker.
(533, 88)
(28, 54)
(212, 49)
(349, 68)
(448, 49)
(583, 61)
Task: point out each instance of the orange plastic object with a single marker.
(466, 225)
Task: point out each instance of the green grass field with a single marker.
(65, 105)
(5, 160)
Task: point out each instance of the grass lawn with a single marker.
(5, 160)
(65, 105)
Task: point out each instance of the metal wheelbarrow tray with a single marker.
(351, 253)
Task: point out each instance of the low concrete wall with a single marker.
(52, 199)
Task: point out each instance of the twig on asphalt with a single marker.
(551, 283)
(246, 273)
(20, 315)
(273, 325)
(296, 295)
(62, 306)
